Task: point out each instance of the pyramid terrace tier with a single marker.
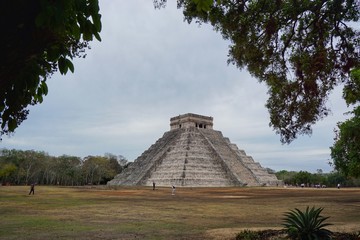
(192, 156)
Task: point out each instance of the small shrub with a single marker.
(346, 236)
(248, 235)
(354, 236)
(308, 225)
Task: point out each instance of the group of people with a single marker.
(172, 191)
(32, 188)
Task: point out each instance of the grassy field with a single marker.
(141, 213)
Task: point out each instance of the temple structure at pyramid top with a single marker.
(193, 154)
(191, 120)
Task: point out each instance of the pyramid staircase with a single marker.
(194, 157)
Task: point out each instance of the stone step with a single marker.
(194, 157)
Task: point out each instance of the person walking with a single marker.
(173, 190)
(32, 189)
(153, 185)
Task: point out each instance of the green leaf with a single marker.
(97, 22)
(203, 5)
(97, 36)
(38, 98)
(12, 124)
(88, 31)
(63, 68)
(76, 31)
(41, 19)
(44, 87)
(70, 65)
(52, 53)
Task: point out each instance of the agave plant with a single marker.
(308, 225)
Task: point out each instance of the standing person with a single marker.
(32, 189)
(153, 185)
(173, 190)
(338, 186)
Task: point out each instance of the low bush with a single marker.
(248, 235)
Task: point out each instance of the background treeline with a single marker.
(319, 178)
(18, 167)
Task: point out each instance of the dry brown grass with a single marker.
(140, 213)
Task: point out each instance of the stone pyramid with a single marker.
(193, 154)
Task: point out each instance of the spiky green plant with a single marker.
(308, 225)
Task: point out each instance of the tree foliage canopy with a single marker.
(293, 178)
(25, 167)
(346, 150)
(39, 38)
(301, 49)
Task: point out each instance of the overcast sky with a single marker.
(149, 67)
